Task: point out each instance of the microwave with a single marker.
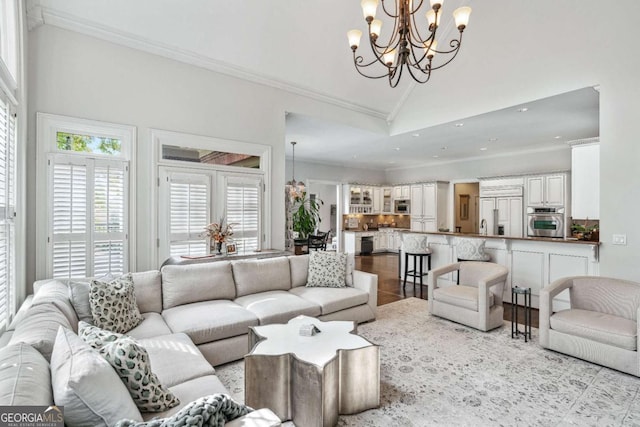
(402, 206)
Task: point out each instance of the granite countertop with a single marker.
(534, 239)
(373, 230)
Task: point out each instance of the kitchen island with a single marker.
(533, 262)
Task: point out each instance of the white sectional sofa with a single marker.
(194, 317)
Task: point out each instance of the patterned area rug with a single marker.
(436, 372)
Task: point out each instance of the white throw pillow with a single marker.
(471, 250)
(327, 269)
(79, 296)
(86, 384)
(113, 304)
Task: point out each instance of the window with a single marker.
(243, 210)
(7, 207)
(85, 222)
(88, 216)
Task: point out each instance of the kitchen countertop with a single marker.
(534, 239)
(373, 230)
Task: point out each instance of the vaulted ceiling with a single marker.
(301, 46)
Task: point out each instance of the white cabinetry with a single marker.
(387, 200)
(429, 206)
(358, 199)
(510, 215)
(506, 199)
(585, 181)
(401, 192)
(377, 200)
(546, 190)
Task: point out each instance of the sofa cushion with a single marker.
(57, 293)
(254, 276)
(184, 284)
(39, 328)
(21, 314)
(113, 304)
(79, 295)
(605, 295)
(175, 359)
(25, 378)
(327, 269)
(208, 321)
(299, 266)
(148, 287)
(189, 391)
(152, 325)
(601, 327)
(332, 300)
(460, 296)
(131, 362)
(76, 369)
(277, 306)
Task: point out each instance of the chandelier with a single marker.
(296, 189)
(407, 48)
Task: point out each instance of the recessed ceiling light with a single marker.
(483, 149)
(557, 137)
(392, 162)
(459, 125)
(493, 139)
(355, 156)
(436, 156)
(523, 110)
(415, 135)
(397, 148)
(443, 148)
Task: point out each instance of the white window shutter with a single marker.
(243, 209)
(7, 208)
(189, 201)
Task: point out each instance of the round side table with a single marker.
(526, 304)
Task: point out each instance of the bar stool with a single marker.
(416, 247)
(471, 250)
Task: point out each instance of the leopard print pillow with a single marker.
(113, 304)
(327, 269)
(131, 362)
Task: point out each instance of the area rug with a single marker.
(436, 372)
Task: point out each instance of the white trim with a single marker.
(47, 125)
(93, 29)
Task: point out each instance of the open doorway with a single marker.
(466, 196)
(328, 192)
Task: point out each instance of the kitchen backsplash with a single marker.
(356, 222)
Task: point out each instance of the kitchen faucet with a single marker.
(483, 226)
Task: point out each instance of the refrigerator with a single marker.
(503, 215)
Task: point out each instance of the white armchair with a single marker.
(476, 301)
(602, 324)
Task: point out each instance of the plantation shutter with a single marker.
(7, 207)
(243, 211)
(88, 221)
(188, 213)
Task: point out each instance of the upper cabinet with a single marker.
(429, 206)
(546, 190)
(387, 200)
(358, 199)
(585, 181)
(377, 200)
(402, 192)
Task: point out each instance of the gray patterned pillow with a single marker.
(113, 304)
(131, 362)
(327, 269)
(471, 250)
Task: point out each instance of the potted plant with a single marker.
(305, 217)
(584, 232)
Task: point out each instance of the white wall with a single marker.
(80, 76)
(543, 48)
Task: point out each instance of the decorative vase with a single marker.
(218, 248)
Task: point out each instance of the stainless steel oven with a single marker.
(545, 222)
(402, 206)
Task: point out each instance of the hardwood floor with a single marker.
(390, 286)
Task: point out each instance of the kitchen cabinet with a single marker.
(358, 199)
(377, 200)
(429, 206)
(585, 181)
(387, 200)
(401, 192)
(546, 190)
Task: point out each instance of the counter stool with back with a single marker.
(471, 250)
(416, 248)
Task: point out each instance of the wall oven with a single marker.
(402, 206)
(545, 222)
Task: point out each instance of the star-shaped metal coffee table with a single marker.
(311, 379)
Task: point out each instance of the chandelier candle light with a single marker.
(406, 47)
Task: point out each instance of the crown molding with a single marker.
(38, 15)
(472, 158)
(584, 141)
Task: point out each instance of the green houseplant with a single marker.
(305, 217)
